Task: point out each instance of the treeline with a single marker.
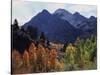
(41, 57)
(82, 55)
(36, 59)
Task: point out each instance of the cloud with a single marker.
(86, 10)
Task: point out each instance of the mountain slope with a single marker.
(76, 19)
(54, 28)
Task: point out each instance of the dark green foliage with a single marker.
(33, 32)
(84, 56)
(15, 25)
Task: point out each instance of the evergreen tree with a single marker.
(83, 55)
(15, 25)
(42, 38)
(33, 32)
(86, 51)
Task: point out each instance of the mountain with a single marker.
(63, 14)
(76, 19)
(54, 28)
(62, 26)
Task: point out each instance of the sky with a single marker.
(23, 11)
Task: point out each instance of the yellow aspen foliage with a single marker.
(70, 49)
(70, 53)
(59, 65)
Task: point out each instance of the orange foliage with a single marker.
(32, 53)
(53, 56)
(26, 59)
(39, 59)
(16, 58)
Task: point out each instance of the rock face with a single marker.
(76, 19)
(62, 26)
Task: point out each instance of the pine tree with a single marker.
(86, 51)
(15, 25)
(42, 38)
